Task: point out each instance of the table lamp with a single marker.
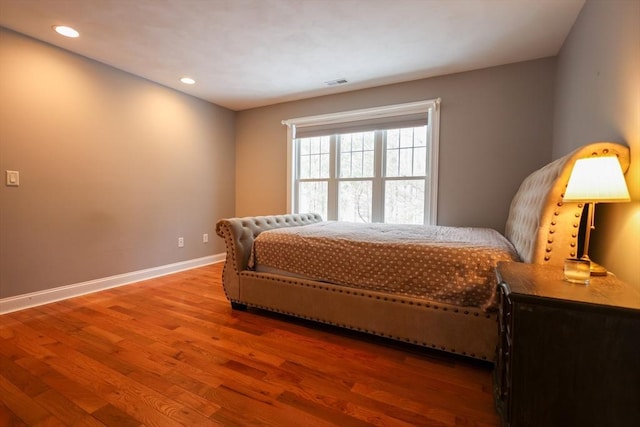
(597, 179)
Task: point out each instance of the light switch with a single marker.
(13, 178)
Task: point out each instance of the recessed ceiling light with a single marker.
(66, 31)
(187, 80)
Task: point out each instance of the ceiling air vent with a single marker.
(336, 82)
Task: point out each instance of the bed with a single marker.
(351, 275)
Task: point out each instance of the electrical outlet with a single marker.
(205, 238)
(181, 242)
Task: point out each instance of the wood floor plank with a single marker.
(110, 415)
(8, 418)
(170, 351)
(63, 409)
(64, 385)
(23, 406)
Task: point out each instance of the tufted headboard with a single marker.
(543, 228)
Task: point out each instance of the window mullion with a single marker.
(378, 182)
(332, 187)
(296, 174)
(413, 152)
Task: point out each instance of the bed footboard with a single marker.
(239, 234)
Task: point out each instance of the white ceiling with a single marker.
(250, 53)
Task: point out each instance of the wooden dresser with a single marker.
(568, 354)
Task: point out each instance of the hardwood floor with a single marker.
(171, 352)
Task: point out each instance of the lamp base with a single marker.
(595, 268)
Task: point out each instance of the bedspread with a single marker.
(454, 265)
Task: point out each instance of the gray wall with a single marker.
(598, 99)
(496, 128)
(113, 168)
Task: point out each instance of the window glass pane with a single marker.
(404, 201)
(420, 136)
(315, 146)
(325, 143)
(312, 198)
(406, 137)
(314, 157)
(393, 138)
(357, 165)
(392, 162)
(304, 167)
(406, 162)
(345, 143)
(356, 142)
(420, 161)
(314, 166)
(369, 162)
(325, 170)
(354, 201)
(357, 154)
(345, 164)
(304, 145)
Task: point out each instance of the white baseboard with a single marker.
(20, 302)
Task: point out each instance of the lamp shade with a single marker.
(597, 179)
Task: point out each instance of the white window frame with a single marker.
(430, 107)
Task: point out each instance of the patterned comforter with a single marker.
(454, 265)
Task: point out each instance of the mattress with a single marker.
(454, 265)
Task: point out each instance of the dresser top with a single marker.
(546, 281)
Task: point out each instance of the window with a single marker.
(374, 165)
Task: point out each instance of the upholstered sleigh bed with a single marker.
(540, 229)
